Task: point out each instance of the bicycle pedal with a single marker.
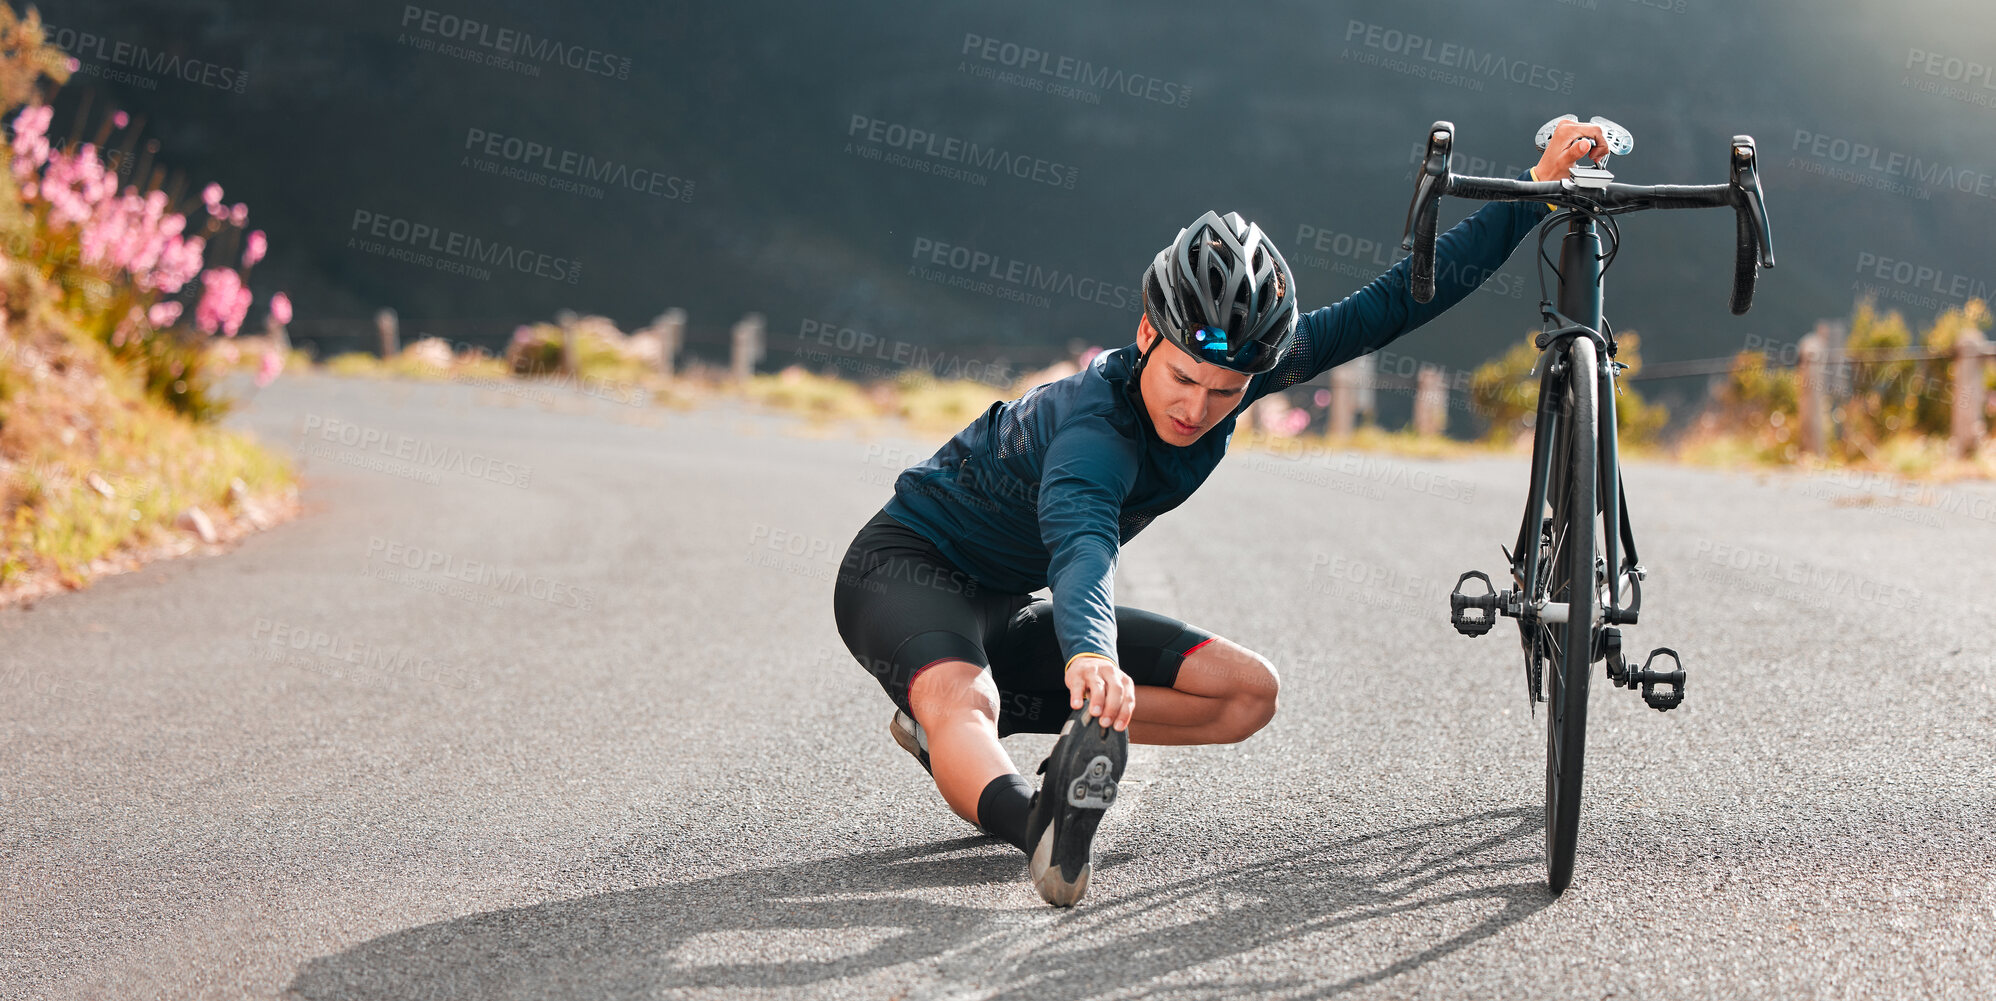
(1660, 700)
(1458, 603)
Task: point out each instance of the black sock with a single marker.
(1002, 808)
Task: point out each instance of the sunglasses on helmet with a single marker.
(1211, 344)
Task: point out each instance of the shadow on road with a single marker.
(853, 916)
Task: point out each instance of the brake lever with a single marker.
(1746, 181)
(1434, 169)
(1419, 236)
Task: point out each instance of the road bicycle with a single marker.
(1576, 482)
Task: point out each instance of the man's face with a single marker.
(1185, 396)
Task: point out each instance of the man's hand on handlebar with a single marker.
(1111, 695)
(1570, 143)
(1591, 196)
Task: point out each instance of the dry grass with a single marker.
(1403, 443)
(409, 366)
(935, 404)
(1907, 456)
(93, 471)
(931, 404)
(817, 397)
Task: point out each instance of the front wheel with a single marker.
(1572, 584)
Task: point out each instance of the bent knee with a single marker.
(1251, 677)
(1252, 702)
(954, 691)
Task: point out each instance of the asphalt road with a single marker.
(602, 741)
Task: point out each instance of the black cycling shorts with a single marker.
(901, 606)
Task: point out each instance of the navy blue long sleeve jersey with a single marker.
(1044, 490)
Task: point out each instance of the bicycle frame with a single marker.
(1580, 301)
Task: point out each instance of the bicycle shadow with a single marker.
(1470, 862)
(860, 914)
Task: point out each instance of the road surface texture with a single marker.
(542, 698)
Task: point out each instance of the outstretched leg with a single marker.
(956, 702)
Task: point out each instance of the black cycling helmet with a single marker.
(1223, 293)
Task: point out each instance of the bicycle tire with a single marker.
(1566, 702)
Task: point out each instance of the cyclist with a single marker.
(934, 596)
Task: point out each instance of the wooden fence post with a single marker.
(671, 327)
(747, 347)
(1971, 392)
(1344, 400)
(1812, 395)
(1837, 372)
(387, 324)
(565, 318)
(1365, 371)
(1430, 402)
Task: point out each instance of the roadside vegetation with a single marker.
(113, 297)
(1894, 416)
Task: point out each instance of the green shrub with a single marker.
(1894, 398)
(353, 363)
(1506, 393)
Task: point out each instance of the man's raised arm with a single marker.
(1465, 257)
(1089, 469)
(1374, 316)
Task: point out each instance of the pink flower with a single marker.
(239, 214)
(127, 232)
(178, 263)
(74, 64)
(224, 302)
(280, 308)
(255, 249)
(211, 195)
(32, 122)
(31, 145)
(162, 314)
(268, 368)
(120, 120)
(241, 308)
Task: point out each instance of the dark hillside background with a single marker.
(1296, 114)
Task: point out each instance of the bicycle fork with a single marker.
(1662, 690)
